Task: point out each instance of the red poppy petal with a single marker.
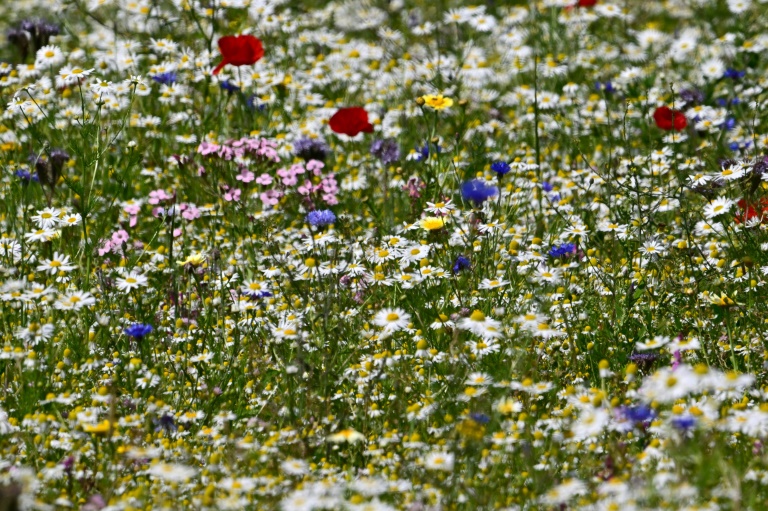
(241, 50)
(350, 121)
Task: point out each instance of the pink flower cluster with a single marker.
(327, 188)
(232, 149)
(114, 244)
(308, 180)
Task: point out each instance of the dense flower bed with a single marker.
(383, 255)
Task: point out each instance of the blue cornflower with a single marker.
(165, 78)
(253, 103)
(684, 422)
(422, 153)
(480, 418)
(166, 423)
(321, 217)
(228, 86)
(565, 249)
(547, 187)
(640, 413)
(138, 330)
(257, 295)
(500, 168)
(462, 263)
(25, 176)
(729, 123)
(478, 191)
(607, 87)
(733, 74)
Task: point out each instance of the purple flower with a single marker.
(386, 150)
(311, 149)
(478, 191)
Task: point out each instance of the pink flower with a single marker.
(245, 175)
(270, 198)
(264, 179)
(315, 166)
(232, 195)
(191, 213)
(105, 247)
(306, 188)
(120, 237)
(206, 148)
(156, 196)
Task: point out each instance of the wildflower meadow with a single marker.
(373, 255)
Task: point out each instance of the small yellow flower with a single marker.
(432, 223)
(437, 102)
(193, 260)
(346, 435)
(102, 428)
(721, 301)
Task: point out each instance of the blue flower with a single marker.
(500, 167)
(480, 418)
(478, 191)
(257, 295)
(733, 74)
(166, 423)
(138, 330)
(546, 187)
(229, 87)
(253, 103)
(607, 87)
(462, 263)
(321, 217)
(640, 413)
(684, 422)
(26, 177)
(422, 153)
(165, 78)
(565, 249)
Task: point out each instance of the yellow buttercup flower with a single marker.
(102, 428)
(438, 102)
(193, 260)
(721, 301)
(432, 223)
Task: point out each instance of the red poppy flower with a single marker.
(750, 211)
(239, 50)
(351, 121)
(668, 119)
(586, 3)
